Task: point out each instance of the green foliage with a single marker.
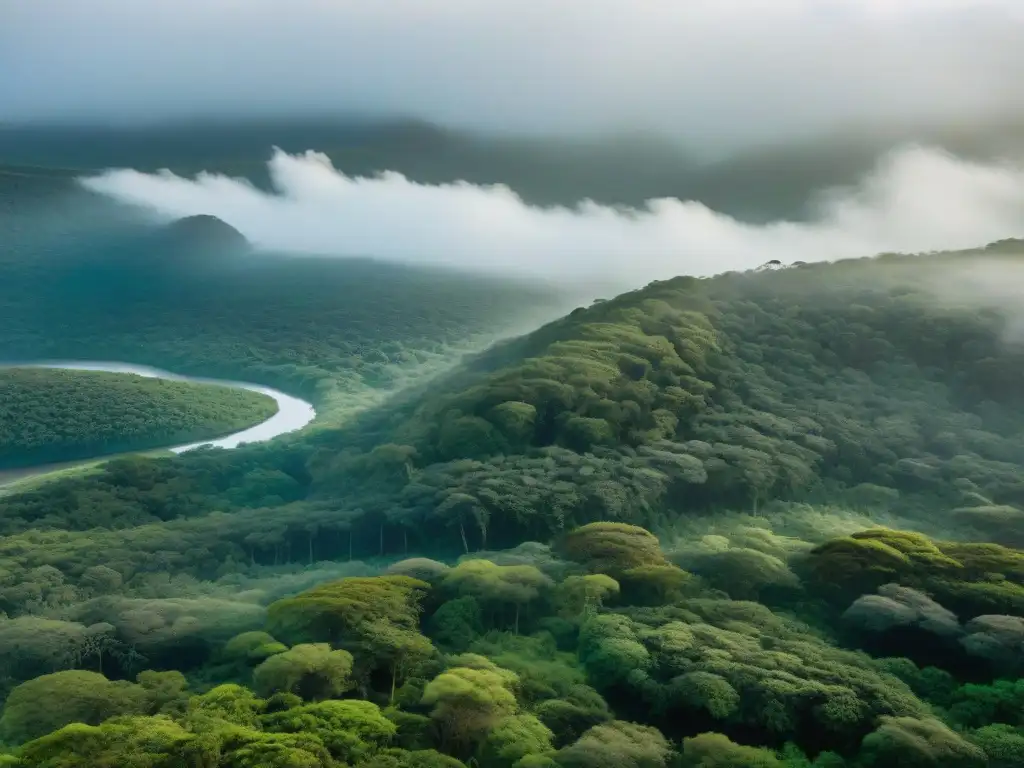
(745, 573)
(515, 585)
(919, 743)
(617, 743)
(227, 702)
(422, 568)
(713, 750)
(514, 738)
(350, 730)
(312, 671)
(758, 422)
(613, 548)
(968, 579)
(421, 758)
(252, 647)
(708, 691)
(579, 595)
(457, 623)
(53, 415)
(346, 613)
(49, 702)
(468, 701)
(145, 742)
(1002, 744)
(740, 664)
(542, 669)
(568, 718)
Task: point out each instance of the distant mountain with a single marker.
(761, 183)
(203, 232)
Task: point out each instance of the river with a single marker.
(292, 413)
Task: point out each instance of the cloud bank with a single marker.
(917, 199)
(720, 73)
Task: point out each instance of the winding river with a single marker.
(292, 413)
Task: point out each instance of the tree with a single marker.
(313, 671)
(516, 420)
(907, 742)
(357, 614)
(351, 730)
(581, 709)
(610, 649)
(492, 584)
(146, 742)
(251, 648)
(653, 584)
(617, 744)
(714, 750)
(707, 691)
(466, 702)
(512, 739)
(31, 709)
(613, 548)
(743, 573)
(581, 595)
(401, 649)
(421, 568)
(1002, 744)
(456, 623)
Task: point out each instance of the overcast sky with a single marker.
(713, 72)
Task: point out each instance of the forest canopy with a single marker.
(763, 520)
(50, 415)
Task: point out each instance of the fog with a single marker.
(717, 74)
(916, 199)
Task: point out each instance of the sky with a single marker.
(717, 74)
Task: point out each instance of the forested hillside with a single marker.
(827, 458)
(50, 415)
(338, 332)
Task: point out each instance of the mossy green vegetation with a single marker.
(536, 657)
(763, 520)
(50, 415)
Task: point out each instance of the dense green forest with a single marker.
(51, 415)
(337, 332)
(761, 520)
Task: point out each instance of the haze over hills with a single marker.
(758, 183)
(753, 420)
(666, 368)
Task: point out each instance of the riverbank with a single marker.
(292, 414)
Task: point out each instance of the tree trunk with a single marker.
(405, 539)
(465, 544)
(517, 619)
(394, 675)
(310, 548)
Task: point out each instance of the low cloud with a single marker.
(917, 199)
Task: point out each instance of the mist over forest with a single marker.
(658, 374)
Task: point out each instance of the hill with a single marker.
(871, 384)
(51, 415)
(764, 519)
(192, 297)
